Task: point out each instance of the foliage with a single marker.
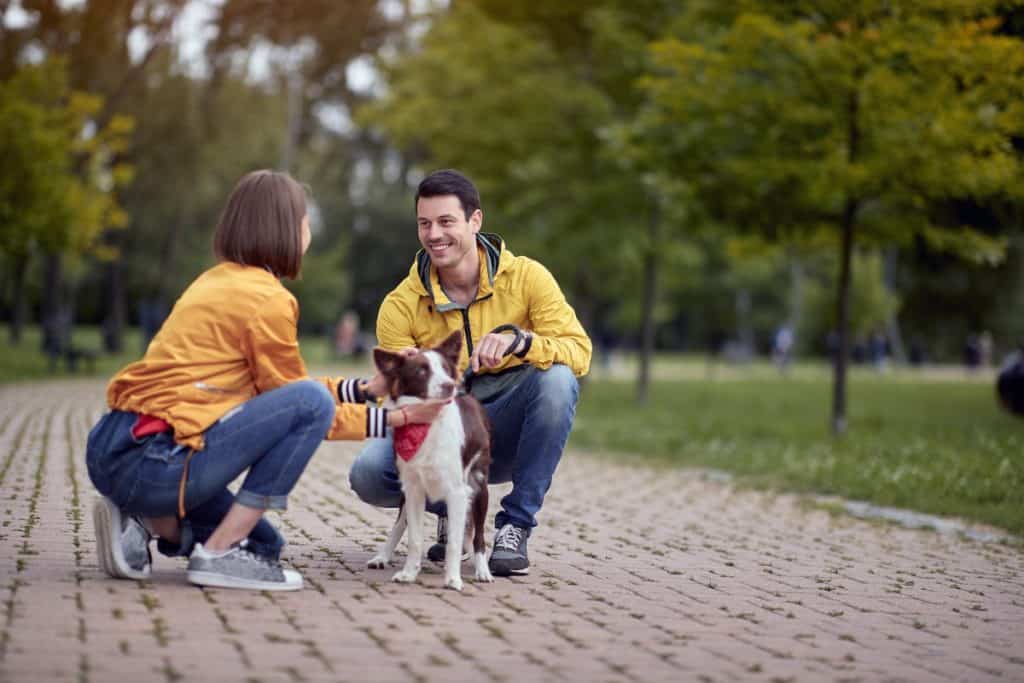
(850, 120)
(872, 304)
(46, 136)
(518, 96)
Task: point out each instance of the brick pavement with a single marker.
(639, 575)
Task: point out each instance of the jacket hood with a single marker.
(491, 247)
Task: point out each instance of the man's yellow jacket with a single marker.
(513, 290)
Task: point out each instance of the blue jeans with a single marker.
(530, 424)
(273, 435)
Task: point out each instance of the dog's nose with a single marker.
(447, 389)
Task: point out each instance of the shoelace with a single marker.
(509, 538)
(255, 557)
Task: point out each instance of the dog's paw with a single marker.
(453, 582)
(482, 571)
(404, 577)
(378, 562)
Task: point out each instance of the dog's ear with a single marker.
(387, 362)
(451, 347)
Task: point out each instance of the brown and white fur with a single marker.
(451, 464)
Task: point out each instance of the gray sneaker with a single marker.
(122, 542)
(437, 552)
(508, 558)
(240, 568)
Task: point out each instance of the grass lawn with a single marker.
(933, 442)
(26, 361)
(931, 445)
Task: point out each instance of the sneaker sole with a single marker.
(108, 552)
(511, 572)
(214, 580)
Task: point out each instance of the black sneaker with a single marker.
(508, 558)
(437, 552)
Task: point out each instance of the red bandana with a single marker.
(408, 440)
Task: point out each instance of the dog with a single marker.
(446, 460)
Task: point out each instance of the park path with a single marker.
(639, 575)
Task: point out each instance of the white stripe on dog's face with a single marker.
(441, 385)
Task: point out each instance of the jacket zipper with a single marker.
(467, 330)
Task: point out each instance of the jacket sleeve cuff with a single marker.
(376, 422)
(349, 391)
(526, 344)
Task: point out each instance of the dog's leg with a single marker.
(387, 551)
(456, 531)
(415, 500)
(478, 520)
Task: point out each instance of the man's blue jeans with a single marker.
(530, 424)
(273, 435)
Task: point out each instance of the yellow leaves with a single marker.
(67, 166)
(82, 106)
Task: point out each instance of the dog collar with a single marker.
(408, 440)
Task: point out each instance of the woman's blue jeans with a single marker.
(273, 436)
(530, 424)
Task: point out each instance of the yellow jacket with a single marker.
(513, 289)
(230, 336)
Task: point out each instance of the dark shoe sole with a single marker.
(509, 572)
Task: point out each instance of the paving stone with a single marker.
(638, 575)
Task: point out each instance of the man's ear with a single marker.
(451, 347)
(387, 363)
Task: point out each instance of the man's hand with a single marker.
(490, 350)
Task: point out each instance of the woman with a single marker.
(222, 389)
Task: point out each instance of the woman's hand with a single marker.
(417, 413)
(377, 386)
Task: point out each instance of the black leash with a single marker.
(468, 375)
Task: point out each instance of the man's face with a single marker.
(444, 232)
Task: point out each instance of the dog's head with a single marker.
(428, 374)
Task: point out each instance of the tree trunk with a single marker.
(843, 321)
(649, 298)
(293, 88)
(51, 314)
(113, 324)
(796, 296)
(849, 220)
(744, 326)
(892, 325)
(18, 303)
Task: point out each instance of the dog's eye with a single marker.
(421, 372)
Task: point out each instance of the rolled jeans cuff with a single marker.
(255, 500)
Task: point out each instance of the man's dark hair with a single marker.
(449, 181)
(261, 223)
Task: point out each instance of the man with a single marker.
(524, 372)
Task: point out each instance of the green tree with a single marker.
(521, 96)
(57, 187)
(848, 120)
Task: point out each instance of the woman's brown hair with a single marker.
(261, 223)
